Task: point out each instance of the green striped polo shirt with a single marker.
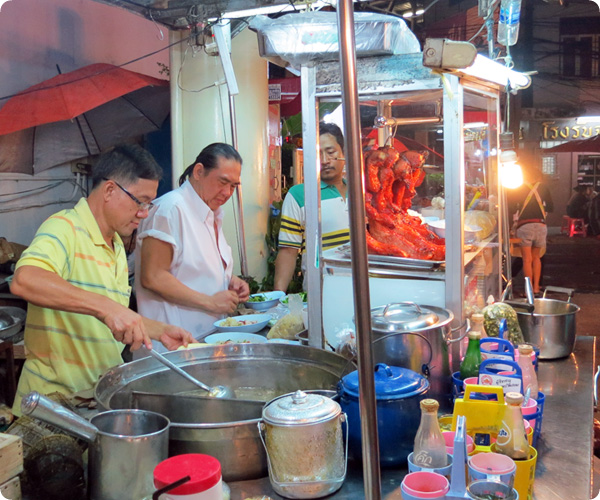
(67, 352)
(334, 218)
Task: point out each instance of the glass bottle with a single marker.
(529, 376)
(430, 448)
(512, 439)
(470, 364)
(477, 324)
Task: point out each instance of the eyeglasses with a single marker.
(142, 206)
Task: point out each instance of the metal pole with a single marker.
(312, 202)
(238, 196)
(360, 268)
(232, 87)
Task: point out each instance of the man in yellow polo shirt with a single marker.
(74, 276)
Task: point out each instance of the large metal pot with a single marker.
(398, 392)
(270, 369)
(428, 352)
(551, 326)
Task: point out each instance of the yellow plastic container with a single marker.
(525, 475)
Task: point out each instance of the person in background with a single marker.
(578, 205)
(184, 266)
(334, 208)
(74, 276)
(594, 215)
(530, 204)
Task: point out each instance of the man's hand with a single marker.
(174, 337)
(239, 286)
(126, 325)
(224, 302)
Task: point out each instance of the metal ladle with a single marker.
(218, 391)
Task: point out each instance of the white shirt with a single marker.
(184, 221)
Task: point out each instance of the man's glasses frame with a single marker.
(142, 205)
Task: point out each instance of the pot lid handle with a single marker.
(385, 368)
(386, 311)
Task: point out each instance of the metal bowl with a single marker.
(273, 369)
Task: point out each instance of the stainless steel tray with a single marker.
(343, 252)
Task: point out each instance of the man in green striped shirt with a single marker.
(74, 276)
(334, 208)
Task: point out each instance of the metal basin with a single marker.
(551, 327)
(253, 371)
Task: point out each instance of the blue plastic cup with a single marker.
(444, 471)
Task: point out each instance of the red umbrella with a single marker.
(590, 145)
(78, 114)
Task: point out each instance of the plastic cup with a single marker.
(449, 438)
(444, 471)
(530, 409)
(492, 467)
(471, 380)
(430, 485)
(483, 489)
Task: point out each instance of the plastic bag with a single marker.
(289, 325)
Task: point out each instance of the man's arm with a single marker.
(46, 289)
(285, 265)
(156, 276)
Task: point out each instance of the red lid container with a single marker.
(204, 470)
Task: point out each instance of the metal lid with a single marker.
(403, 317)
(391, 382)
(6, 320)
(300, 408)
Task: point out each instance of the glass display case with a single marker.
(453, 122)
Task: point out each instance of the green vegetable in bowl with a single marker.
(257, 298)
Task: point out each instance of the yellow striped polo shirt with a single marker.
(334, 218)
(67, 352)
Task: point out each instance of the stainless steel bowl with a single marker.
(273, 369)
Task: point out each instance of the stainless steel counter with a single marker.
(564, 467)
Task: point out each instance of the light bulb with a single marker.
(511, 174)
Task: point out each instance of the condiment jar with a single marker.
(205, 477)
(302, 435)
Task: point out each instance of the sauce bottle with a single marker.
(430, 448)
(529, 376)
(470, 364)
(512, 439)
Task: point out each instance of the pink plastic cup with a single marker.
(449, 438)
(430, 485)
(492, 467)
(530, 409)
(470, 380)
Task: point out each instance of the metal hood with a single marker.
(185, 14)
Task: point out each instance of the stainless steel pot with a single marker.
(270, 369)
(428, 353)
(304, 445)
(551, 326)
(125, 446)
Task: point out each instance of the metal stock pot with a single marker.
(417, 337)
(551, 325)
(270, 370)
